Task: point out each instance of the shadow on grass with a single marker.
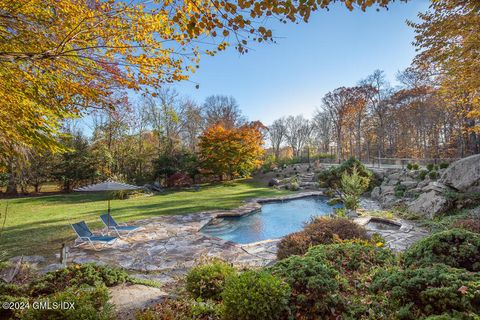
(64, 198)
(45, 236)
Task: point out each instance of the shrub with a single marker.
(315, 287)
(412, 166)
(430, 166)
(433, 290)
(457, 248)
(255, 295)
(294, 186)
(422, 174)
(296, 243)
(319, 231)
(351, 202)
(179, 179)
(207, 281)
(10, 292)
(400, 190)
(351, 256)
(433, 175)
(331, 177)
(181, 309)
(472, 225)
(89, 303)
(76, 275)
(444, 165)
(353, 186)
(340, 213)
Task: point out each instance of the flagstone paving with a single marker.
(167, 246)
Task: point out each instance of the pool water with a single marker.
(275, 220)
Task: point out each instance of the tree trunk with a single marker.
(12, 180)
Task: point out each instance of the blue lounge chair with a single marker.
(86, 236)
(111, 224)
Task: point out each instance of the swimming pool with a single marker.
(274, 220)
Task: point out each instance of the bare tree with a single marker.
(163, 116)
(277, 134)
(322, 130)
(192, 123)
(359, 102)
(223, 110)
(298, 133)
(336, 103)
(378, 104)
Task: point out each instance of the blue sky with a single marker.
(336, 48)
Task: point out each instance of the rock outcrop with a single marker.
(429, 204)
(463, 175)
(425, 197)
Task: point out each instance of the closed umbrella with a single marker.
(108, 186)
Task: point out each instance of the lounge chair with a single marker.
(111, 224)
(86, 236)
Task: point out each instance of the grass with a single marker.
(39, 225)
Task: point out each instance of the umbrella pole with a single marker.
(108, 211)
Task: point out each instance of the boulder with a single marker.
(393, 182)
(273, 182)
(409, 184)
(387, 190)
(423, 183)
(475, 213)
(435, 186)
(375, 195)
(463, 175)
(390, 200)
(309, 185)
(395, 176)
(429, 204)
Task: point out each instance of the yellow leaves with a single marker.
(230, 151)
(68, 55)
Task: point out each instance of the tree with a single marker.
(449, 43)
(353, 185)
(377, 97)
(336, 103)
(192, 123)
(232, 152)
(277, 134)
(40, 169)
(163, 111)
(322, 128)
(60, 58)
(224, 111)
(76, 165)
(183, 162)
(298, 133)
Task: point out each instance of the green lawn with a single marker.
(39, 225)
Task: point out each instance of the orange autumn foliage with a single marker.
(60, 59)
(232, 152)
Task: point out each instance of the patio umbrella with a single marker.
(107, 186)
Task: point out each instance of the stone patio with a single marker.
(167, 246)
(397, 240)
